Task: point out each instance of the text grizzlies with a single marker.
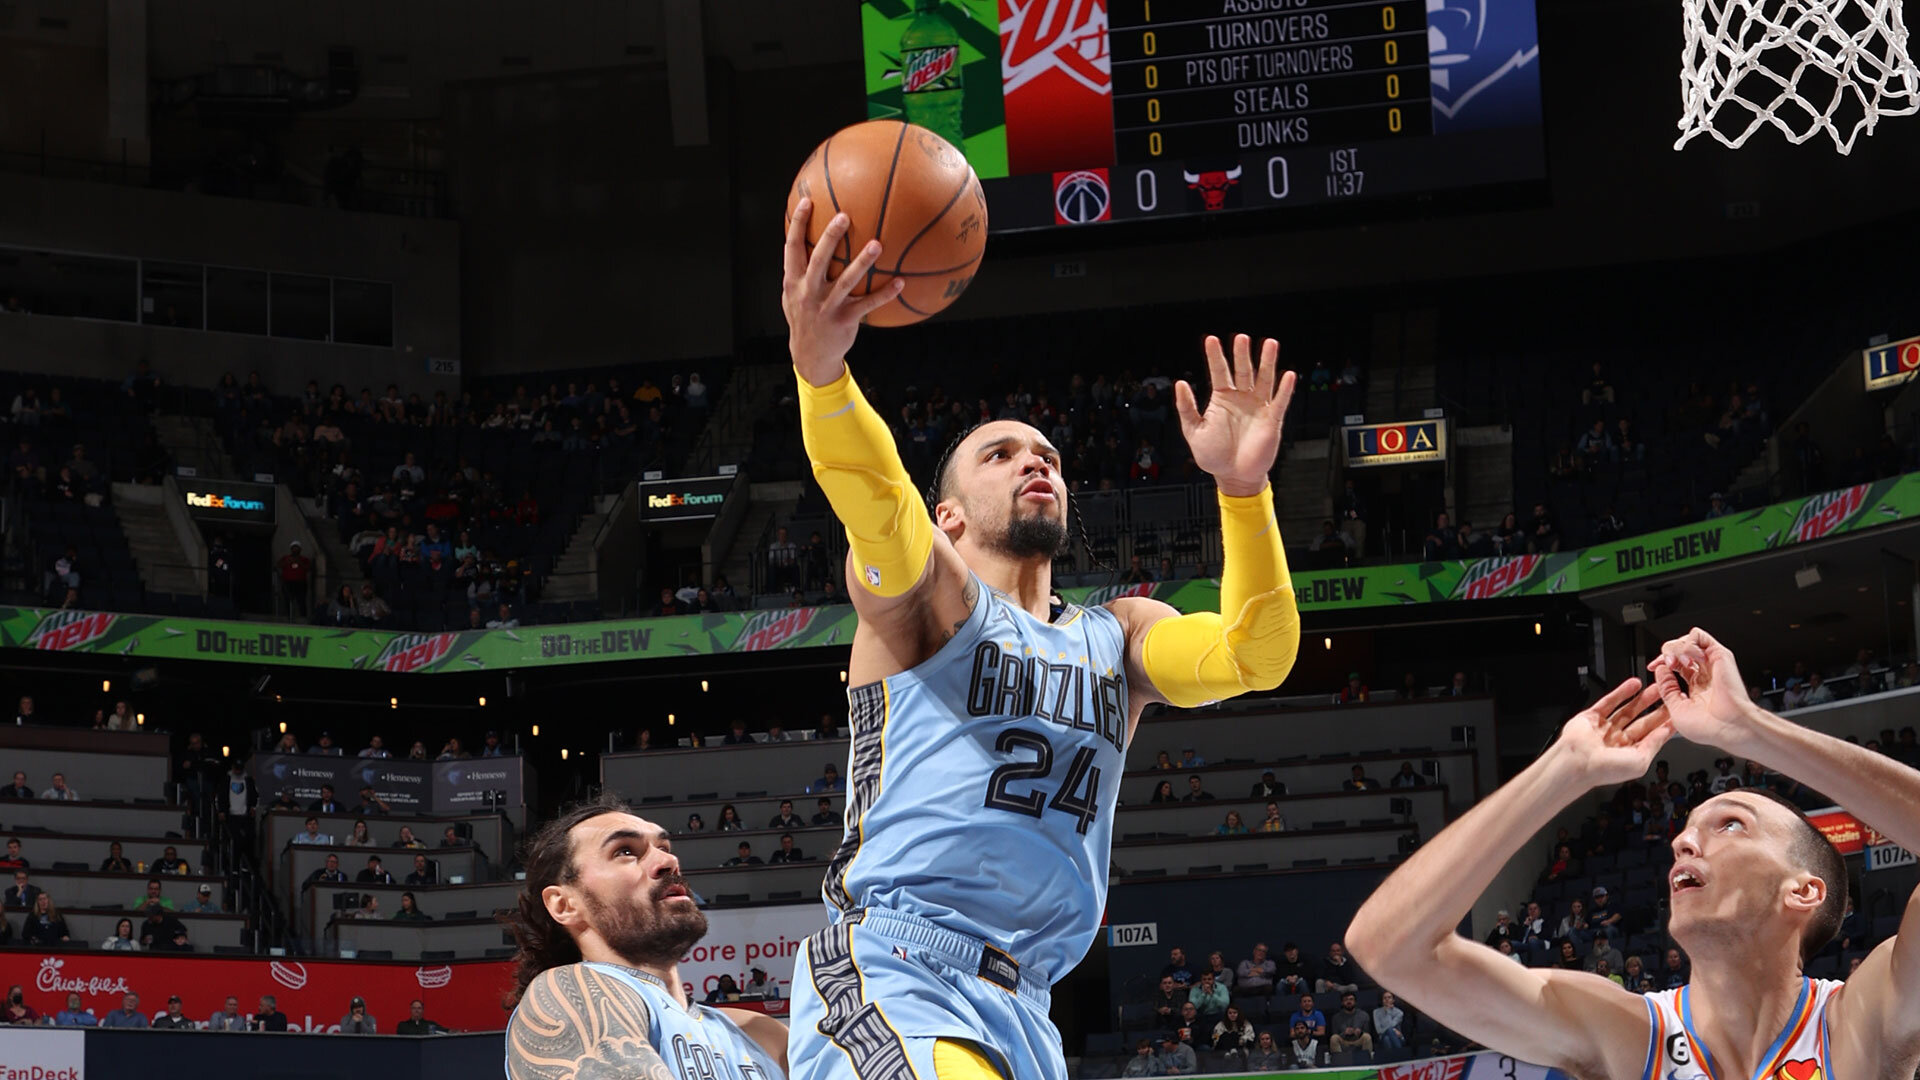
(1066, 694)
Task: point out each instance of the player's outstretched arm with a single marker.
(579, 1024)
(1405, 934)
(1874, 1020)
(771, 1034)
(1251, 643)
(853, 454)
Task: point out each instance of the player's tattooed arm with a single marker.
(578, 1024)
(969, 595)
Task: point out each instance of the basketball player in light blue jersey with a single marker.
(1755, 891)
(603, 919)
(989, 723)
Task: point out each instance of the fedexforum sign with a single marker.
(692, 499)
(228, 500)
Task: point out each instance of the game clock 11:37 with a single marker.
(1115, 110)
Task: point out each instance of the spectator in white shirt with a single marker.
(60, 790)
(122, 939)
(1389, 1023)
(1305, 1048)
(1818, 692)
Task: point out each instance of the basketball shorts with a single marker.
(875, 995)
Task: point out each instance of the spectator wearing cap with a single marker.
(176, 1018)
(60, 791)
(229, 1018)
(162, 932)
(18, 789)
(128, 1015)
(1267, 787)
(493, 747)
(326, 803)
(829, 781)
(416, 1022)
(1176, 1056)
(312, 835)
(758, 983)
(373, 874)
(1355, 692)
(1293, 972)
(358, 1021)
(1189, 759)
(325, 746)
(1604, 952)
(371, 803)
(1604, 920)
(296, 572)
(203, 901)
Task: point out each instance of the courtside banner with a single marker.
(314, 994)
(410, 787)
(28, 1053)
(1688, 547)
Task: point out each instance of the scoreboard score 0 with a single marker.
(1116, 110)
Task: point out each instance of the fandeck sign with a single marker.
(1396, 444)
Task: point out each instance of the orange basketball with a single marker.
(913, 190)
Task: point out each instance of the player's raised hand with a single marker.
(1611, 740)
(1238, 436)
(822, 318)
(1713, 707)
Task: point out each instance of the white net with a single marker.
(1802, 66)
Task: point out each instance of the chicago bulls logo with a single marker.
(1214, 186)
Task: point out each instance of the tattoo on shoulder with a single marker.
(969, 594)
(578, 1024)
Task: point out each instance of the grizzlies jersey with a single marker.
(1799, 1051)
(982, 783)
(696, 1042)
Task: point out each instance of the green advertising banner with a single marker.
(1797, 521)
(938, 65)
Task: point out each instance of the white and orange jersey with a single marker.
(1799, 1052)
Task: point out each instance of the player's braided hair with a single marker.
(1077, 527)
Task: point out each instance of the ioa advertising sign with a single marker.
(226, 500)
(1893, 363)
(1396, 444)
(693, 499)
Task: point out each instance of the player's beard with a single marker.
(649, 935)
(1030, 535)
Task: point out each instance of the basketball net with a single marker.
(1802, 66)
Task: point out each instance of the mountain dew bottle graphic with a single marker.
(930, 73)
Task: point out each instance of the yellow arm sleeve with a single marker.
(1251, 644)
(859, 467)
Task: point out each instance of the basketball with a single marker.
(916, 193)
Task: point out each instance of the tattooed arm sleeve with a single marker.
(579, 1024)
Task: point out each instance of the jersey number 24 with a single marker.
(1081, 773)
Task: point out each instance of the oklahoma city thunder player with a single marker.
(603, 919)
(989, 728)
(1756, 891)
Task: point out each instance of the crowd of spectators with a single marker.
(266, 1017)
(1268, 1012)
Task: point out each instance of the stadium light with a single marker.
(140, 718)
(283, 727)
(843, 675)
(1536, 629)
(106, 686)
(563, 753)
(1328, 642)
(226, 751)
(669, 719)
(536, 731)
(483, 701)
(703, 686)
(393, 703)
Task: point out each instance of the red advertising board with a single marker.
(1057, 85)
(314, 994)
(1846, 832)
